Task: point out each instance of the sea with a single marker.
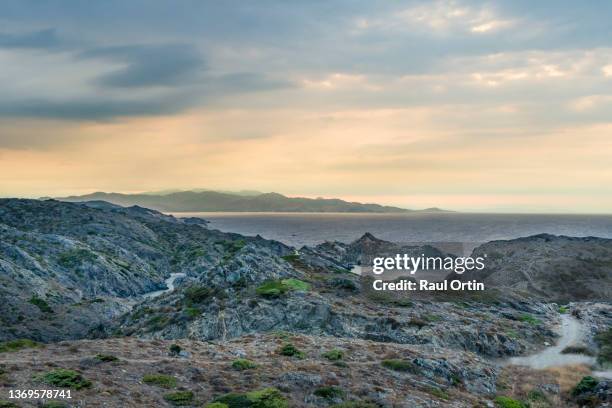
(299, 229)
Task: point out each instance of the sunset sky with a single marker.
(476, 106)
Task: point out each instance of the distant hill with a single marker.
(192, 201)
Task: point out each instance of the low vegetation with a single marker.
(160, 380)
(333, 355)
(604, 341)
(266, 398)
(106, 358)
(577, 350)
(399, 365)
(288, 349)
(64, 378)
(180, 398)
(330, 392)
(277, 288)
(19, 344)
(243, 364)
(587, 384)
(507, 402)
(41, 304)
(527, 318)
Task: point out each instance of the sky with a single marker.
(497, 106)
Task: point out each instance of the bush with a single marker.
(527, 318)
(243, 364)
(604, 340)
(197, 294)
(105, 358)
(507, 402)
(577, 350)
(179, 398)
(563, 309)
(333, 355)
(65, 379)
(7, 404)
(75, 257)
(216, 405)
(175, 349)
(276, 288)
(41, 304)
(587, 384)
(440, 393)
(266, 398)
(53, 404)
(329, 392)
(399, 365)
(16, 345)
(291, 258)
(161, 380)
(355, 404)
(290, 350)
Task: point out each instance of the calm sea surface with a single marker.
(313, 228)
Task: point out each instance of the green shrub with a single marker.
(16, 345)
(197, 294)
(175, 349)
(53, 404)
(106, 358)
(161, 380)
(507, 402)
(587, 384)
(243, 364)
(536, 395)
(65, 379)
(266, 398)
(604, 341)
(577, 350)
(399, 365)
(290, 350)
(291, 258)
(355, 404)
(75, 257)
(7, 404)
(179, 398)
(440, 393)
(329, 392)
(276, 288)
(216, 405)
(333, 355)
(527, 318)
(563, 309)
(41, 304)
(193, 312)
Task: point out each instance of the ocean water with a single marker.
(298, 229)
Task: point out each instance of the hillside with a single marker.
(194, 201)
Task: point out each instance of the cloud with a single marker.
(44, 39)
(149, 65)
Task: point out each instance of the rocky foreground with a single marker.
(274, 325)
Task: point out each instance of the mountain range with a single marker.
(206, 200)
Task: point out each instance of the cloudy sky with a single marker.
(482, 106)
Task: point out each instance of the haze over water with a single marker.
(298, 229)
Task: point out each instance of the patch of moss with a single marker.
(507, 402)
(64, 378)
(288, 349)
(243, 364)
(41, 304)
(265, 398)
(106, 358)
(333, 355)
(399, 365)
(216, 405)
(19, 344)
(7, 404)
(54, 404)
(329, 392)
(563, 309)
(160, 380)
(180, 398)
